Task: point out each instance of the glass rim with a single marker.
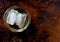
(9, 27)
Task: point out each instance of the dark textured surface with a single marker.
(45, 21)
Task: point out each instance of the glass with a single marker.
(15, 28)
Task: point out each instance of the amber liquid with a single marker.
(14, 26)
(20, 10)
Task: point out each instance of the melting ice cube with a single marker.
(11, 18)
(20, 19)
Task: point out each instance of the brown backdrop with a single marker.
(45, 21)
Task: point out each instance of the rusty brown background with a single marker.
(45, 21)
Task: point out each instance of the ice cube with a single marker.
(11, 18)
(20, 19)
